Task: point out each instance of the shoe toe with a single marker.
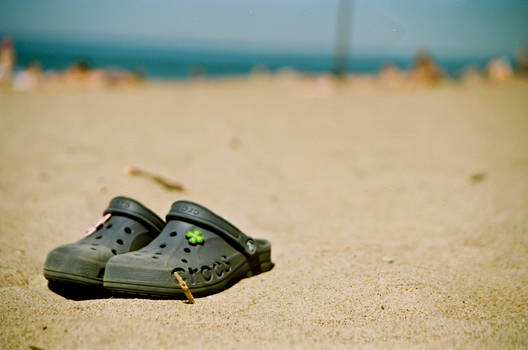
(84, 263)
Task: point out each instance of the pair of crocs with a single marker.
(133, 251)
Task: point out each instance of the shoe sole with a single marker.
(64, 277)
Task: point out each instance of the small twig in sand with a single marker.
(478, 177)
(165, 183)
(184, 287)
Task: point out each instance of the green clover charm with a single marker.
(195, 237)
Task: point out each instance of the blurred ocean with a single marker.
(180, 63)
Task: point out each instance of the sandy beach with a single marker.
(398, 218)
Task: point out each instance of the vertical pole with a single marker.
(342, 40)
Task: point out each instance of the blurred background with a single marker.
(182, 39)
(379, 145)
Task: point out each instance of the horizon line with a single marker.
(147, 43)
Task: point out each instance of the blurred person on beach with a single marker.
(499, 70)
(7, 60)
(425, 70)
(28, 79)
(78, 73)
(82, 74)
(120, 77)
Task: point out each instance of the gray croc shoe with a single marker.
(203, 248)
(126, 226)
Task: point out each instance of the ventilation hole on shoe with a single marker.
(187, 250)
(154, 257)
(218, 269)
(225, 262)
(114, 252)
(174, 233)
(128, 230)
(137, 254)
(95, 244)
(92, 248)
(206, 273)
(120, 242)
(158, 253)
(101, 273)
(184, 261)
(109, 226)
(98, 237)
(163, 245)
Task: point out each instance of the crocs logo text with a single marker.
(187, 210)
(207, 272)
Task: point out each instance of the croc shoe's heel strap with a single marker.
(131, 208)
(195, 213)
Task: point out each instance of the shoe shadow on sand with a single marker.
(80, 292)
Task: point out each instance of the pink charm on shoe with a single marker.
(98, 223)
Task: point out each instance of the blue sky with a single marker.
(448, 27)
